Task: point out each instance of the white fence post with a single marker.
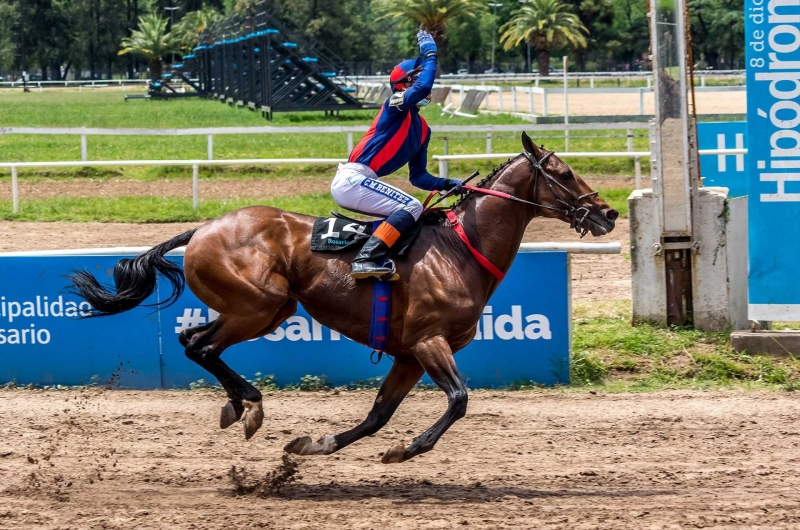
(544, 102)
(349, 142)
(641, 101)
(637, 163)
(530, 100)
(14, 190)
(500, 97)
(210, 148)
(514, 99)
(591, 82)
(489, 142)
(84, 155)
(486, 100)
(442, 168)
(195, 186)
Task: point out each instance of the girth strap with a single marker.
(451, 216)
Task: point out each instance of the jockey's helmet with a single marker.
(405, 72)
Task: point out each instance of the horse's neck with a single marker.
(496, 226)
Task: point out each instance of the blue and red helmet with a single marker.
(405, 72)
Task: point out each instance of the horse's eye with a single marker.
(567, 175)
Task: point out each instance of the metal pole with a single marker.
(566, 107)
(211, 147)
(195, 186)
(14, 190)
(349, 142)
(494, 6)
(84, 155)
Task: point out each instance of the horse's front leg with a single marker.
(401, 379)
(436, 357)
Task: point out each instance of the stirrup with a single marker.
(385, 273)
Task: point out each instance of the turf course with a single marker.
(107, 109)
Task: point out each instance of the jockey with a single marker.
(398, 136)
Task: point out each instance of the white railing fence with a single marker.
(441, 132)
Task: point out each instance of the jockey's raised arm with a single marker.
(398, 136)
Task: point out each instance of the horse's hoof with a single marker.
(298, 445)
(253, 418)
(394, 455)
(304, 446)
(229, 415)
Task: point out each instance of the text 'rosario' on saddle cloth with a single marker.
(336, 234)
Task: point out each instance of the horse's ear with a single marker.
(528, 144)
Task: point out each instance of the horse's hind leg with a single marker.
(436, 358)
(401, 379)
(205, 348)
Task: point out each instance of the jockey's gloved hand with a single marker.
(427, 46)
(449, 184)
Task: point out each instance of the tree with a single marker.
(152, 41)
(9, 19)
(432, 16)
(192, 24)
(545, 24)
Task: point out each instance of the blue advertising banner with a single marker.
(42, 341)
(727, 171)
(524, 334)
(772, 36)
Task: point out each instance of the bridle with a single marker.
(576, 213)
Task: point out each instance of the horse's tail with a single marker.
(134, 280)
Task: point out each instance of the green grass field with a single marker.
(69, 108)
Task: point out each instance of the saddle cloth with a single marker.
(340, 233)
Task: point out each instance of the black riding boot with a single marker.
(366, 263)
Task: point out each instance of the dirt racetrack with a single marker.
(97, 459)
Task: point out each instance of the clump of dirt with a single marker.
(284, 473)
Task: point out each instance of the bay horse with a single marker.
(254, 265)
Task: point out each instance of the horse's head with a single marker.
(559, 192)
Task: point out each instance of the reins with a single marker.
(574, 211)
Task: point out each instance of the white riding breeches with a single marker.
(357, 188)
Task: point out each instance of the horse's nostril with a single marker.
(612, 214)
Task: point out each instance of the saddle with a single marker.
(341, 233)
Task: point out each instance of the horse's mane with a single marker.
(485, 181)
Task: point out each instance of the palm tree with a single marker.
(193, 24)
(543, 23)
(431, 15)
(152, 41)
